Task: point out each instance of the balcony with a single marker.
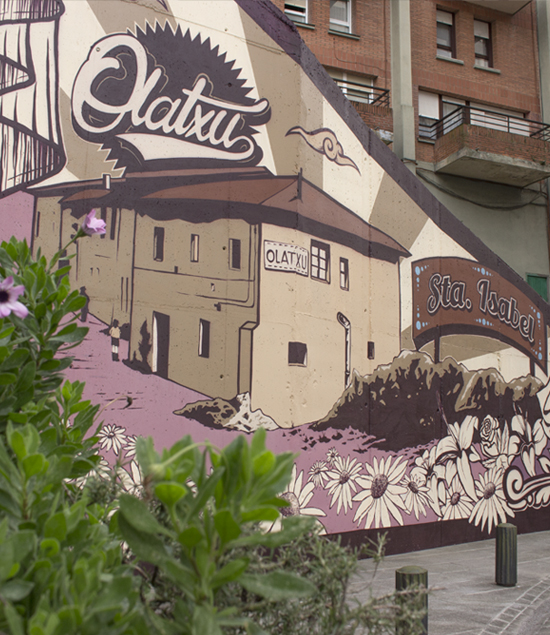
(373, 104)
(506, 6)
(489, 146)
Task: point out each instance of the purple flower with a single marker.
(8, 299)
(93, 225)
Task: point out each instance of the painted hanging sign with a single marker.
(284, 257)
(457, 296)
(159, 83)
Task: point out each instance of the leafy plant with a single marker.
(194, 561)
(210, 502)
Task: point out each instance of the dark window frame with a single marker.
(297, 354)
(204, 339)
(235, 254)
(315, 269)
(444, 49)
(344, 274)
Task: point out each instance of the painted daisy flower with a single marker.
(318, 473)
(341, 482)
(491, 505)
(93, 225)
(298, 498)
(418, 495)
(382, 495)
(458, 504)
(130, 446)
(112, 437)
(9, 302)
(332, 455)
(130, 478)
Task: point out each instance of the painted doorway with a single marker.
(161, 343)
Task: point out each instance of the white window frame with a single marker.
(298, 11)
(344, 26)
(355, 87)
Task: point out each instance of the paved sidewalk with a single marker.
(466, 600)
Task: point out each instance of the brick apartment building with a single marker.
(457, 89)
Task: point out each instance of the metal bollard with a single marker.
(413, 577)
(506, 569)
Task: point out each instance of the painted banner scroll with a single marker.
(458, 296)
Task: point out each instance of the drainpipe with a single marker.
(343, 320)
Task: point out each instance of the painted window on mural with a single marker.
(158, 244)
(204, 338)
(344, 274)
(483, 47)
(194, 248)
(445, 34)
(320, 261)
(340, 15)
(297, 354)
(234, 253)
(112, 234)
(296, 10)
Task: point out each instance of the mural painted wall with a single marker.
(269, 262)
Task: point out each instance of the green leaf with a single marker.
(34, 464)
(190, 537)
(292, 527)
(137, 514)
(50, 546)
(204, 622)
(15, 621)
(16, 590)
(170, 493)
(7, 378)
(230, 572)
(146, 546)
(263, 463)
(226, 526)
(259, 514)
(278, 585)
(257, 445)
(56, 527)
(26, 377)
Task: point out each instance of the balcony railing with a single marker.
(429, 129)
(364, 94)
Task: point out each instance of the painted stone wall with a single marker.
(269, 262)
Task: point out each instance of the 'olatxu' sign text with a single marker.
(285, 257)
(454, 295)
(130, 95)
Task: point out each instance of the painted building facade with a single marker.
(269, 261)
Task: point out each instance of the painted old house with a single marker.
(269, 261)
(205, 268)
